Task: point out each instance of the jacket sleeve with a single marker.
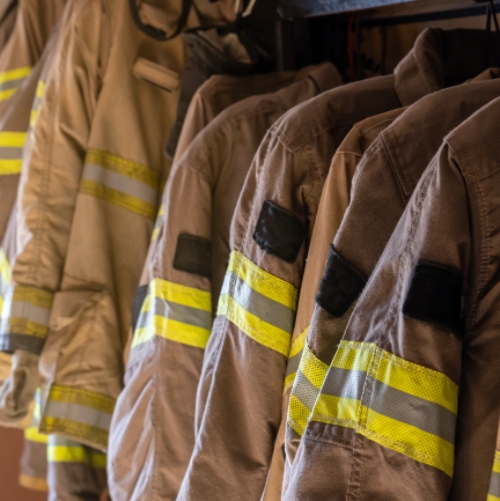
(50, 179)
(388, 406)
(239, 397)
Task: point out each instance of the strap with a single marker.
(155, 32)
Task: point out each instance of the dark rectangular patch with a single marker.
(140, 296)
(193, 255)
(340, 286)
(434, 296)
(279, 232)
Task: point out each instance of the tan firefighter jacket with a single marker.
(90, 187)
(245, 363)
(397, 162)
(408, 402)
(8, 16)
(334, 200)
(152, 433)
(33, 25)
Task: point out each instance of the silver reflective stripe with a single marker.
(118, 182)
(293, 363)
(177, 312)
(11, 84)
(27, 310)
(261, 306)
(495, 484)
(391, 402)
(344, 383)
(79, 413)
(305, 391)
(10, 153)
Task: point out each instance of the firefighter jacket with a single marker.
(152, 433)
(8, 16)
(245, 363)
(221, 91)
(90, 186)
(494, 488)
(33, 25)
(332, 205)
(318, 405)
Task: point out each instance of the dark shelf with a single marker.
(308, 8)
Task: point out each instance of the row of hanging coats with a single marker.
(220, 282)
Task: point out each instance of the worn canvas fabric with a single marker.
(245, 362)
(152, 433)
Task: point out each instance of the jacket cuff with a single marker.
(77, 414)
(24, 322)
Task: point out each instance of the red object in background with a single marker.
(11, 448)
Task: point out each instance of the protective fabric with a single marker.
(332, 205)
(245, 362)
(8, 16)
(413, 389)
(88, 188)
(152, 433)
(33, 25)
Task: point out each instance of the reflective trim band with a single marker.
(32, 434)
(294, 357)
(160, 219)
(494, 490)
(78, 413)
(308, 381)
(398, 404)
(61, 450)
(5, 276)
(128, 184)
(11, 80)
(33, 483)
(35, 108)
(260, 304)
(24, 322)
(11, 152)
(176, 312)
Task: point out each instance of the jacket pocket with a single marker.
(156, 74)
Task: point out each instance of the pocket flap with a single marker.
(156, 74)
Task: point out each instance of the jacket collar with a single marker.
(441, 59)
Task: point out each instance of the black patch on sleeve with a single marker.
(283, 450)
(340, 286)
(279, 232)
(140, 296)
(434, 296)
(193, 255)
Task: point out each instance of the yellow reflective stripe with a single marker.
(119, 198)
(12, 139)
(182, 294)
(406, 439)
(176, 312)
(407, 376)
(17, 74)
(496, 462)
(37, 484)
(298, 343)
(410, 408)
(36, 297)
(75, 454)
(82, 397)
(120, 165)
(264, 333)
(299, 417)
(492, 498)
(75, 429)
(173, 330)
(5, 269)
(33, 435)
(40, 89)
(122, 182)
(263, 282)
(10, 167)
(313, 368)
(5, 94)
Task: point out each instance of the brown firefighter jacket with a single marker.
(8, 14)
(334, 200)
(245, 363)
(90, 186)
(152, 433)
(409, 406)
(396, 160)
